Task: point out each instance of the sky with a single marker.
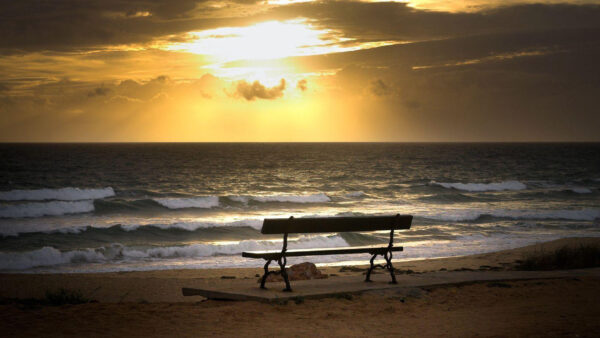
(299, 71)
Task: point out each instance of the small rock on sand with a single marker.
(302, 271)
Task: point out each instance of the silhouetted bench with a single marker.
(293, 225)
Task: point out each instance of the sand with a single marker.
(150, 303)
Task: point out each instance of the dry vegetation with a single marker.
(566, 257)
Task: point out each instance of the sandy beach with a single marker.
(151, 303)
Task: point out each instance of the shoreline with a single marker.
(150, 303)
(165, 285)
(359, 261)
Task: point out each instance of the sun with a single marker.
(258, 51)
(269, 40)
(263, 41)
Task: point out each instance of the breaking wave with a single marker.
(48, 256)
(186, 226)
(356, 194)
(284, 198)
(116, 205)
(193, 226)
(205, 202)
(39, 209)
(62, 194)
(479, 187)
(472, 215)
(580, 190)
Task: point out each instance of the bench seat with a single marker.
(321, 251)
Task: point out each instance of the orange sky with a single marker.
(227, 71)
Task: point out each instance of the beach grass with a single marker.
(566, 257)
(64, 296)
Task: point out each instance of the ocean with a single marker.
(125, 207)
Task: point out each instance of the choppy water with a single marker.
(107, 207)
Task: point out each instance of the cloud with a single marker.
(99, 91)
(121, 99)
(515, 72)
(302, 85)
(55, 97)
(162, 96)
(375, 21)
(162, 79)
(517, 86)
(251, 91)
(379, 88)
(74, 25)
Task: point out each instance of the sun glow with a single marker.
(267, 40)
(263, 41)
(233, 49)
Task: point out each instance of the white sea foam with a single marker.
(70, 230)
(478, 187)
(205, 202)
(192, 226)
(559, 187)
(186, 225)
(204, 250)
(282, 198)
(576, 215)
(240, 199)
(48, 256)
(356, 194)
(39, 209)
(581, 190)
(473, 214)
(62, 194)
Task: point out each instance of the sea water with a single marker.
(119, 207)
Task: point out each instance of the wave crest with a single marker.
(283, 198)
(580, 190)
(204, 202)
(48, 256)
(39, 209)
(478, 187)
(356, 194)
(472, 215)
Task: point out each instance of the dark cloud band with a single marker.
(75, 25)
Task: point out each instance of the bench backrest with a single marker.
(334, 224)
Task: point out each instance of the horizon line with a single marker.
(298, 142)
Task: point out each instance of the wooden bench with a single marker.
(293, 225)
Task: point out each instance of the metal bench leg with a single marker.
(368, 279)
(282, 261)
(267, 272)
(389, 266)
